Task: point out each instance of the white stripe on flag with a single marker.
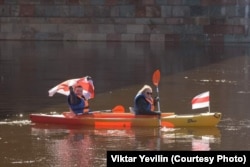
(201, 100)
(200, 105)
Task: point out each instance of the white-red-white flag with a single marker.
(201, 100)
(63, 88)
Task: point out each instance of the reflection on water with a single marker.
(28, 69)
(66, 145)
(58, 145)
(200, 138)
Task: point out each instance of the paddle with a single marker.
(156, 80)
(116, 109)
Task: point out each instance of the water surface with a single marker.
(29, 69)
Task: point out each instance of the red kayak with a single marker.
(100, 119)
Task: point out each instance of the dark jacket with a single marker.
(142, 106)
(77, 104)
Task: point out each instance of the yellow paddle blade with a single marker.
(156, 77)
(118, 109)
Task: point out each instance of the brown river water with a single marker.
(28, 69)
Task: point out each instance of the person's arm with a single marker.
(73, 99)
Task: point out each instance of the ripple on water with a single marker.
(16, 122)
(234, 125)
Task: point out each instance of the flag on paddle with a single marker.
(201, 100)
(85, 82)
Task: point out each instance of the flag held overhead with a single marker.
(63, 88)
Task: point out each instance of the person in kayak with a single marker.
(77, 102)
(144, 104)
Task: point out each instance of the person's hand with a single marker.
(71, 88)
(89, 78)
(158, 112)
(156, 99)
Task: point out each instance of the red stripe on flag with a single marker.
(64, 87)
(200, 100)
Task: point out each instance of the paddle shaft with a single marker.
(158, 102)
(158, 105)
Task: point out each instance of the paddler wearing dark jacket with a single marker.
(144, 104)
(77, 102)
